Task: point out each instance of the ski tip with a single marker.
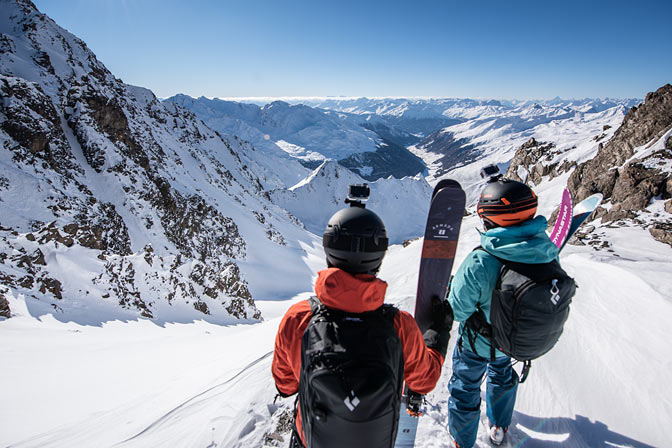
(589, 204)
(448, 183)
(445, 183)
(598, 197)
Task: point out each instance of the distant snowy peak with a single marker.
(424, 108)
(394, 107)
(323, 193)
(311, 136)
(497, 131)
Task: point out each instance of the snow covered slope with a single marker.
(310, 135)
(115, 205)
(185, 386)
(402, 204)
(491, 134)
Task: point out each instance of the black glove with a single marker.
(414, 403)
(438, 334)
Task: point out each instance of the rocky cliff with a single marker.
(107, 193)
(633, 169)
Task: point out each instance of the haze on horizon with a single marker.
(240, 49)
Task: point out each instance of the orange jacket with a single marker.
(354, 294)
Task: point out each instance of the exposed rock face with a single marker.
(534, 160)
(634, 167)
(100, 180)
(31, 120)
(637, 184)
(632, 170)
(4, 304)
(199, 230)
(662, 231)
(644, 124)
(106, 116)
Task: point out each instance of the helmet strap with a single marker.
(489, 225)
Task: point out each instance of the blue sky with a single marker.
(482, 49)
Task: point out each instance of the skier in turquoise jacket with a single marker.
(507, 209)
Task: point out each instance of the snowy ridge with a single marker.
(370, 148)
(402, 204)
(316, 135)
(155, 211)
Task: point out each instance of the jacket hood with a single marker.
(356, 293)
(525, 243)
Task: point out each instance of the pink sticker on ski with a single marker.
(564, 220)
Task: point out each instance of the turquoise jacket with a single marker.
(477, 276)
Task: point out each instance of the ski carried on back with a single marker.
(582, 211)
(438, 253)
(570, 219)
(564, 221)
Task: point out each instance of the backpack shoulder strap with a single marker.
(315, 305)
(478, 324)
(537, 272)
(388, 312)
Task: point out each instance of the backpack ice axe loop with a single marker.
(527, 365)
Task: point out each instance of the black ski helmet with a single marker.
(505, 202)
(355, 240)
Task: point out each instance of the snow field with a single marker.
(138, 384)
(603, 383)
(99, 386)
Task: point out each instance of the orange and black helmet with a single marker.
(506, 202)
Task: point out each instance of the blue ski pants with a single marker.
(464, 405)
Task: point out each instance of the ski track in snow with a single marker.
(203, 396)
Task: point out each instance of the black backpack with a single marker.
(530, 305)
(352, 371)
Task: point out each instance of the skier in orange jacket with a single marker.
(355, 242)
